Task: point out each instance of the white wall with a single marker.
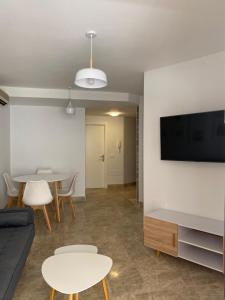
(188, 87)
(140, 149)
(129, 150)
(4, 149)
(114, 158)
(44, 136)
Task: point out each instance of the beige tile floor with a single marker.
(111, 220)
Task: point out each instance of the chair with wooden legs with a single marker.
(12, 191)
(48, 171)
(44, 171)
(37, 194)
(67, 195)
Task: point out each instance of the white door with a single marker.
(95, 156)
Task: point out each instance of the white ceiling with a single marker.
(95, 102)
(95, 108)
(42, 43)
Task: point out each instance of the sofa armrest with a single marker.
(15, 217)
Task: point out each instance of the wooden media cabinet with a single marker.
(194, 238)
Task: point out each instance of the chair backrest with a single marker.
(9, 184)
(44, 171)
(37, 193)
(72, 184)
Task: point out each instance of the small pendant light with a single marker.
(70, 110)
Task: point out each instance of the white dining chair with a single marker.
(37, 194)
(44, 171)
(12, 191)
(67, 195)
(47, 171)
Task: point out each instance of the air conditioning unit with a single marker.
(4, 98)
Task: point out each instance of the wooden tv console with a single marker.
(197, 239)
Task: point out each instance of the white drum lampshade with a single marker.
(91, 78)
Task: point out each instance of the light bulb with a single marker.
(114, 113)
(91, 81)
(70, 110)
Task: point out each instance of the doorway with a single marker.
(120, 148)
(95, 155)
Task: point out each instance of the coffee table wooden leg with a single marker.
(56, 201)
(52, 294)
(71, 297)
(105, 289)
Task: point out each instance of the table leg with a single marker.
(59, 185)
(56, 201)
(20, 195)
(105, 289)
(52, 294)
(71, 297)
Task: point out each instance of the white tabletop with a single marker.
(73, 273)
(76, 249)
(190, 221)
(37, 177)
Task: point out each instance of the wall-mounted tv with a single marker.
(193, 137)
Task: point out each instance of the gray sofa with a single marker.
(16, 237)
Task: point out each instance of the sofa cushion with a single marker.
(16, 217)
(15, 243)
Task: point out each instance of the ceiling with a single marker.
(43, 44)
(95, 108)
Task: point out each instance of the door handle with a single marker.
(102, 157)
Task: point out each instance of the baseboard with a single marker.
(121, 185)
(79, 199)
(130, 184)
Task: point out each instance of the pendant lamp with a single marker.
(91, 78)
(70, 110)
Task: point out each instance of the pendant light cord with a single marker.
(70, 93)
(91, 60)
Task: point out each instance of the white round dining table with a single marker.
(72, 273)
(50, 178)
(55, 177)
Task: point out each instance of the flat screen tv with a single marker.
(193, 137)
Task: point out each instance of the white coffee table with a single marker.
(76, 249)
(72, 273)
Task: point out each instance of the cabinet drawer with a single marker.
(160, 235)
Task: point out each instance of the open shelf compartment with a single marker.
(201, 239)
(200, 256)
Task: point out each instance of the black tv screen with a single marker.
(193, 137)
